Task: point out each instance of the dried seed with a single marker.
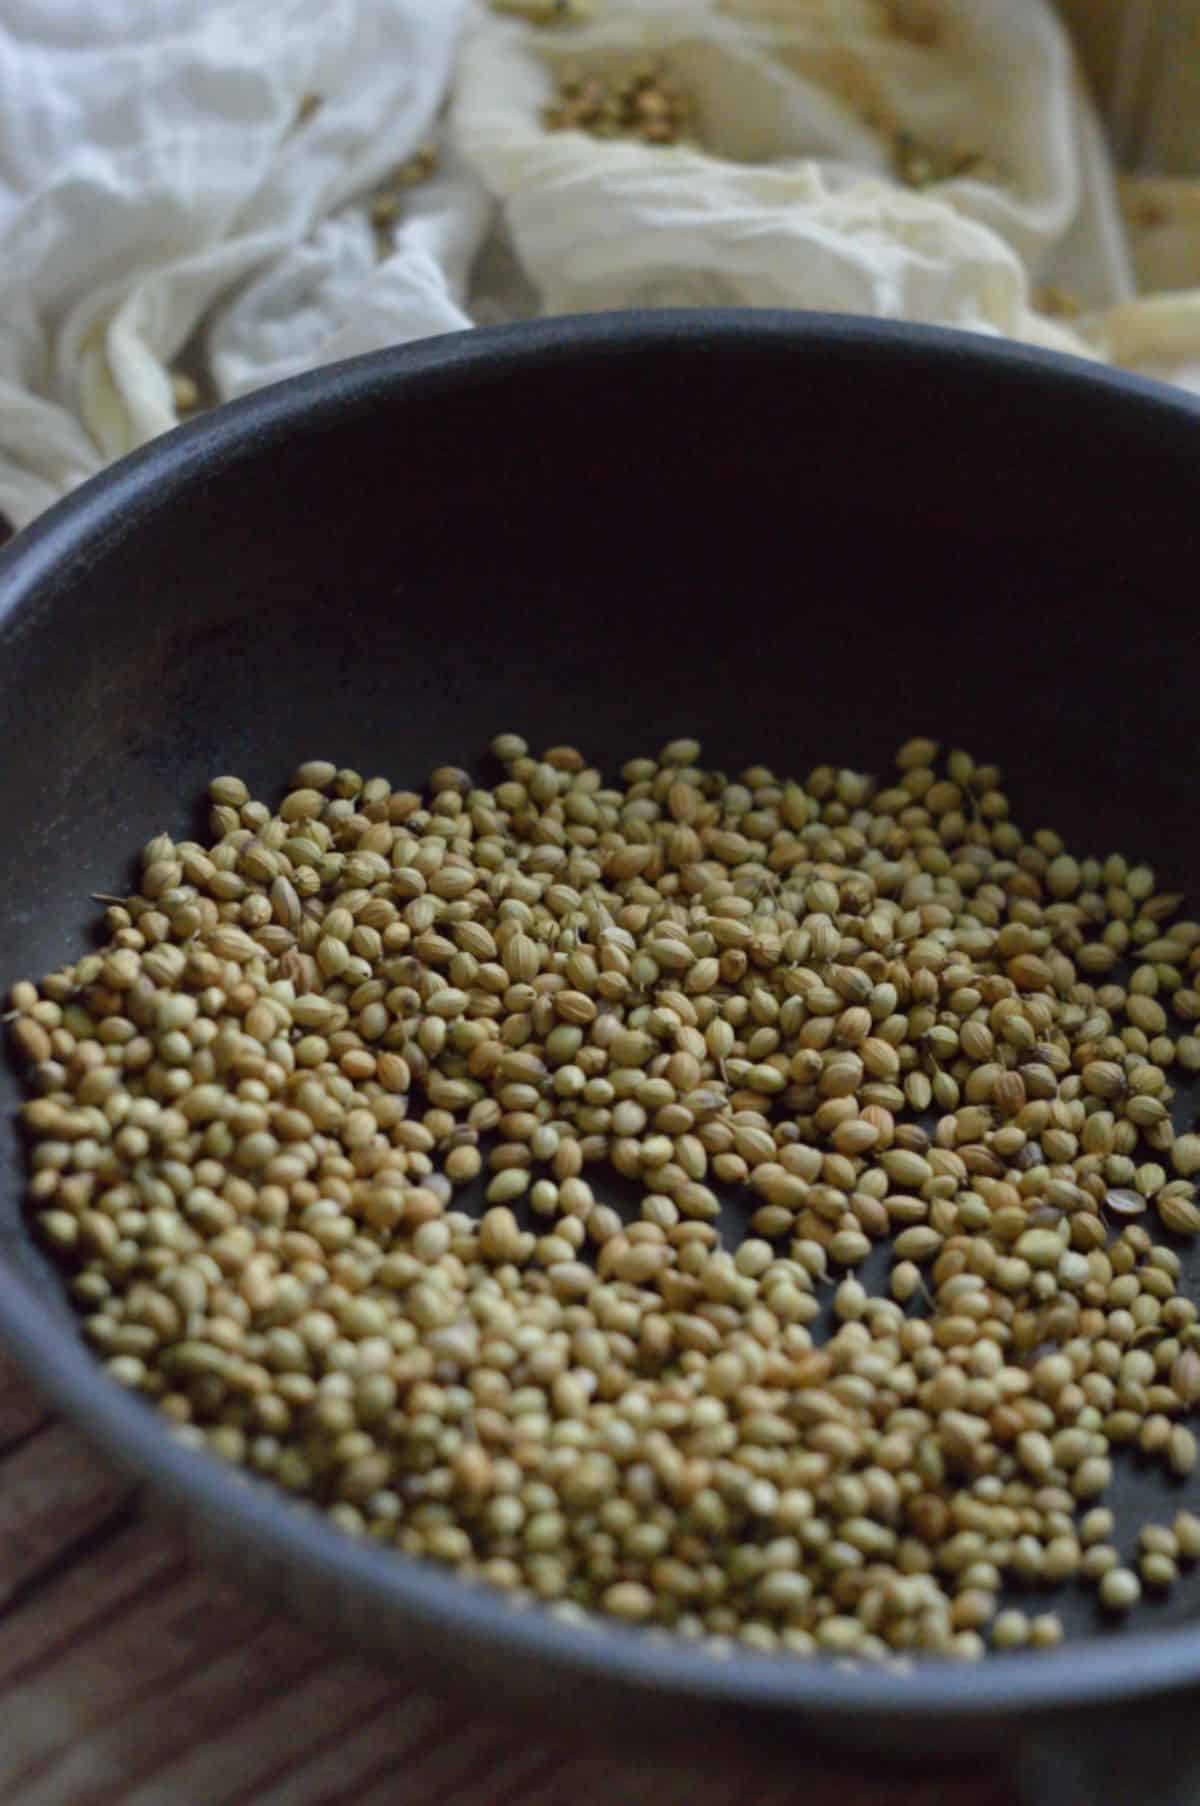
(1119, 1590)
(276, 1073)
(1179, 1215)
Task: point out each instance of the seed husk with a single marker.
(1121, 1202)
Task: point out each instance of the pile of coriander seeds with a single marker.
(841, 1014)
(642, 102)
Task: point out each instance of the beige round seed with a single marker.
(1179, 1215)
(1045, 1630)
(1158, 1571)
(1187, 1535)
(254, 1104)
(499, 1234)
(1010, 1630)
(630, 1601)
(1185, 1155)
(1120, 1590)
(229, 791)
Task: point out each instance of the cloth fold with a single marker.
(198, 188)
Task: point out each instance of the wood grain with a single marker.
(131, 1676)
(20, 1412)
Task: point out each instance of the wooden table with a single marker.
(129, 1676)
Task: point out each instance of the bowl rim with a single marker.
(254, 1517)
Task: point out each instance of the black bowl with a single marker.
(801, 538)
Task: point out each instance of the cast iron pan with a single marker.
(801, 538)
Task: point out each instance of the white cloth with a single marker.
(155, 172)
(164, 188)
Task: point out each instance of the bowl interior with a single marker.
(800, 541)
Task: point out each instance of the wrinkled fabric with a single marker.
(171, 190)
(157, 173)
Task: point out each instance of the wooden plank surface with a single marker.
(131, 1676)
